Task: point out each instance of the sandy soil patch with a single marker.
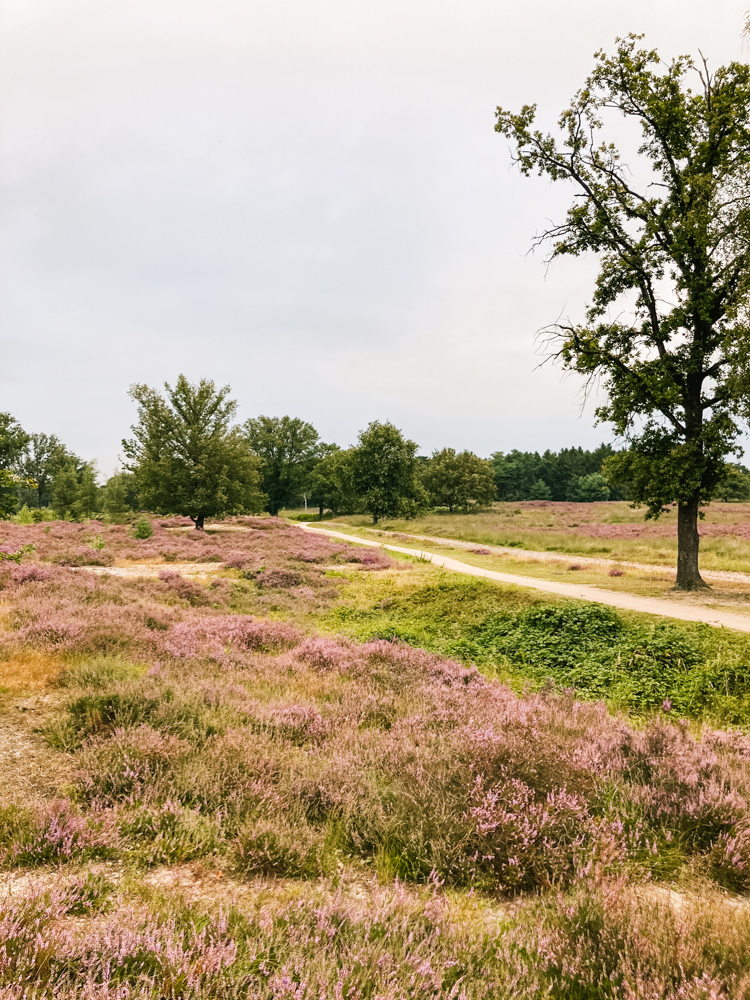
(29, 767)
(136, 570)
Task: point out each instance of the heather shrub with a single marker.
(325, 654)
(186, 590)
(368, 558)
(129, 766)
(50, 833)
(84, 555)
(169, 833)
(276, 847)
(86, 894)
(182, 711)
(284, 579)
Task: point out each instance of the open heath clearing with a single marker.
(316, 771)
(611, 530)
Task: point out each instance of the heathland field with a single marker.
(612, 530)
(252, 762)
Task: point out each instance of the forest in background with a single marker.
(44, 479)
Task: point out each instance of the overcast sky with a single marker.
(302, 198)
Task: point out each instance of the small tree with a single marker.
(666, 334)
(8, 493)
(187, 458)
(588, 489)
(734, 484)
(332, 482)
(288, 450)
(66, 491)
(385, 475)
(118, 494)
(13, 441)
(89, 495)
(42, 458)
(459, 480)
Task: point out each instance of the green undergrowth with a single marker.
(634, 662)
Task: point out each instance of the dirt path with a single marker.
(582, 592)
(719, 575)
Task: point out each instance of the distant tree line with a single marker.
(188, 456)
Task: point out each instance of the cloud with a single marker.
(305, 200)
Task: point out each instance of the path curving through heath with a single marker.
(580, 592)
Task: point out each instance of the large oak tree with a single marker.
(666, 334)
(187, 457)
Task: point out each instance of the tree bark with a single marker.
(320, 512)
(688, 540)
(198, 522)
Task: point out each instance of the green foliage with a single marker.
(40, 461)
(734, 484)
(288, 450)
(385, 473)
(187, 458)
(588, 489)
(65, 492)
(75, 495)
(528, 475)
(13, 441)
(673, 366)
(142, 528)
(458, 480)
(8, 493)
(332, 482)
(16, 556)
(119, 494)
(634, 664)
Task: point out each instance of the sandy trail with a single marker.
(523, 555)
(139, 570)
(581, 592)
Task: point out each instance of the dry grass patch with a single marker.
(29, 670)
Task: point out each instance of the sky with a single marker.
(303, 199)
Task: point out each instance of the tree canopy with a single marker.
(459, 480)
(527, 475)
(288, 449)
(332, 481)
(666, 332)
(385, 475)
(186, 456)
(13, 441)
(43, 457)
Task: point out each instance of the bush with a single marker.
(142, 529)
(277, 848)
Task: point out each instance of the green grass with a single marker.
(552, 528)
(632, 661)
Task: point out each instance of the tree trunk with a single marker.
(320, 512)
(374, 518)
(198, 522)
(688, 574)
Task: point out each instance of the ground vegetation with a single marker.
(288, 774)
